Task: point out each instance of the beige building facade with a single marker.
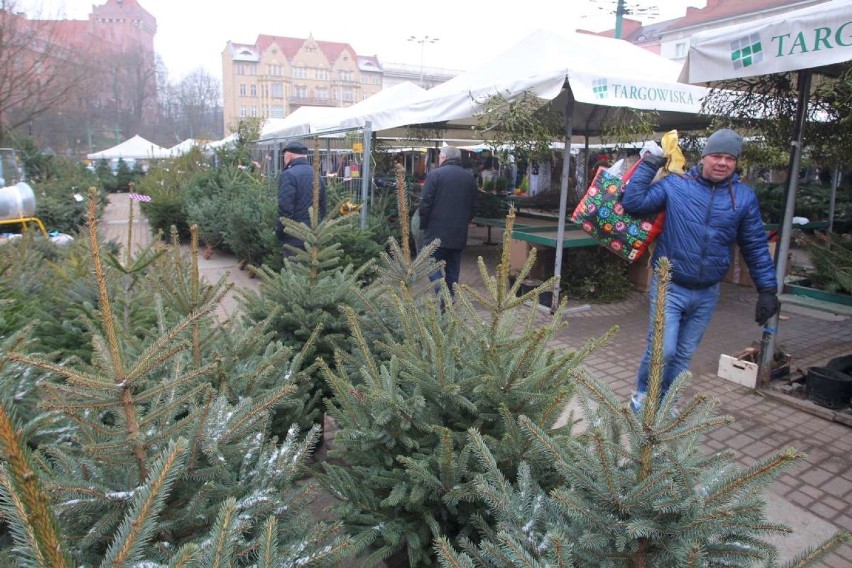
(277, 75)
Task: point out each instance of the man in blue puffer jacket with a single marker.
(707, 211)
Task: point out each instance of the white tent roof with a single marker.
(803, 39)
(182, 148)
(600, 71)
(136, 148)
(306, 120)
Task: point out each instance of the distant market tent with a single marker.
(136, 148)
(814, 40)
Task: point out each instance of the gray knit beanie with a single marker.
(724, 141)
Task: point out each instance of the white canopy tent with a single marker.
(588, 77)
(817, 39)
(307, 120)
(599, 72)
(136, 148)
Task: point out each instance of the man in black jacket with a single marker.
(296, 194)
(446, 209)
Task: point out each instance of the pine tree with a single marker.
(633, 490)
(306, 300)
(166, 451)
(414, 382)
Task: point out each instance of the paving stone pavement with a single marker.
(813, 497)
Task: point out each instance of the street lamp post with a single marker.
(422, 40)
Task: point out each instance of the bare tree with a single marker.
(199, 95)
(38, 72)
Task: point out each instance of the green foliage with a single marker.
(166, 184)
(831, 257)
(414, 380)
(523, 124)
(490, 206)
(633, 489)
(765, 107)
(164, 448)
(123, 176)
(812, 201)
(305, 300)
(594, 274)
(247, 131)
(235, 210)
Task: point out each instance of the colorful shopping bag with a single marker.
(602, 216)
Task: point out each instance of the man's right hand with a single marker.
(656, 162)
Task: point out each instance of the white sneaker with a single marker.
(637, 399)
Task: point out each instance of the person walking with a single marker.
(296, 195)
(446, 210)
(707, 210)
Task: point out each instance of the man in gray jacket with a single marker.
(446, 209)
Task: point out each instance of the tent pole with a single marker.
(366, 175)
(563, 197)
(768, 341)
(832, 203)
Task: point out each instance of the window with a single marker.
(301, 92)
(322, 93)
(680, 49)
(242, 89)
(300, 73)
(348, 95)
(277, 111)
(277, 90)
(254, 110)
(344, 75)
(253, 90)
(275, 70)
(264, 89)
(243, 111)
(322, 74)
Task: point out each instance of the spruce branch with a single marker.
(28, 512)
(402, 205)
(768, 467)
(140, 523)
(813, 554)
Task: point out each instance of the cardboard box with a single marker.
(738, 272)
(544, 259)
(738, 371)
(640, 271)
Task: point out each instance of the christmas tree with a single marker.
(633, 490)
(416, 380)
(162, 448)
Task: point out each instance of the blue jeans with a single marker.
(452, 266)
(687, 315)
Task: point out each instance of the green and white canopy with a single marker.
(809, 38)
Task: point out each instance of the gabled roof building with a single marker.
(276, 75)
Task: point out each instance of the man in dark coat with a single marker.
(296, 194)
(446, 209)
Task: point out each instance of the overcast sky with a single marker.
(193, 33)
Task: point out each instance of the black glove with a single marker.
(655, 162)
(767, 306)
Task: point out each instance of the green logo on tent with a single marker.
(599, 88)
(746, 51)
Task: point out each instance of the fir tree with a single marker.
(634, 490)
(167, 452)
(414, 382)
(306, 299)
